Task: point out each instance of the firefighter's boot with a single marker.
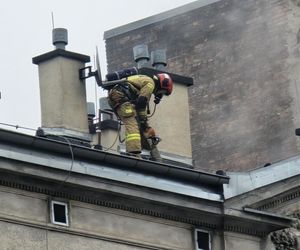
(155, 155)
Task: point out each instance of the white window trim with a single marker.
(196, 237)
(66, 211)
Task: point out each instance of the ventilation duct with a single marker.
(159, 59)
(141, 55)
(60, 38)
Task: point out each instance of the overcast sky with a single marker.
(26, 32)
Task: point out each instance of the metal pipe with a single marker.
(159, 59)
(60, 38)
(141, 55)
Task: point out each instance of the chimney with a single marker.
(62, 93)
(109, 127)
(159, 59)
(141, 55)
(90, 116)
(171, 119)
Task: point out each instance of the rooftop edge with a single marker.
(156, 18)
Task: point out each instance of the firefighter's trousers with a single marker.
(135, 139)
(127, 114)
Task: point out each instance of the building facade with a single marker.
(60, 190)
(243, 57)
(56, 195)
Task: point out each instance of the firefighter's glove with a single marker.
(157, 98)
(149, 132)
(143, 122)
(141, 102)
(142, 117)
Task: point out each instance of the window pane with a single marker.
(59, 213)
(203, 240)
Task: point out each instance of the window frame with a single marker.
(52, 216)
(196, 238)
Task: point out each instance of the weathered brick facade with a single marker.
(243, 58)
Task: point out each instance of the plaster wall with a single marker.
(236, 241)
(22, 237)
(24, 216)
(63, 95)
(175, 130)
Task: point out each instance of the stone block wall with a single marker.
(243, 56)
(25, 224)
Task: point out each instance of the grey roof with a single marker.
(56, 154)
(242, 182)
(157, 18)
(45, 163)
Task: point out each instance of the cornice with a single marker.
(109, 204)
(277, 201)
(197, 220)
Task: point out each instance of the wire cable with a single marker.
(118, 136)
(72, 162)
(154, 109)
(17, 126)
(64, 138)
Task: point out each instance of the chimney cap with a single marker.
(60, 52)
(60, 38)
(159, 59)
(140, 52)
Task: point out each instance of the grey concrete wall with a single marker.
(235, 241)
(63, 95)
(244, 58)
(25, 224)
(175, 130)
(20, 237)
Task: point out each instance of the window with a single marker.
(203, 241)
(59, 213)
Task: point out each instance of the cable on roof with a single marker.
(118, 136)
(17, 126)
(72, 162)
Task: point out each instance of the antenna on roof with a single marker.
(87, 72)
(52, 19)
(98, 69)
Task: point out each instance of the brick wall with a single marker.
(240, 54)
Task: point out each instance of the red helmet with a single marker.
(165, 82)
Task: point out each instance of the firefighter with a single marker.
(129, 101)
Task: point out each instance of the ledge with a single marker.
(188, 81)
(60, 52)
(113, 161)
(157, 18)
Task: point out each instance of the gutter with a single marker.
(114, 160)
